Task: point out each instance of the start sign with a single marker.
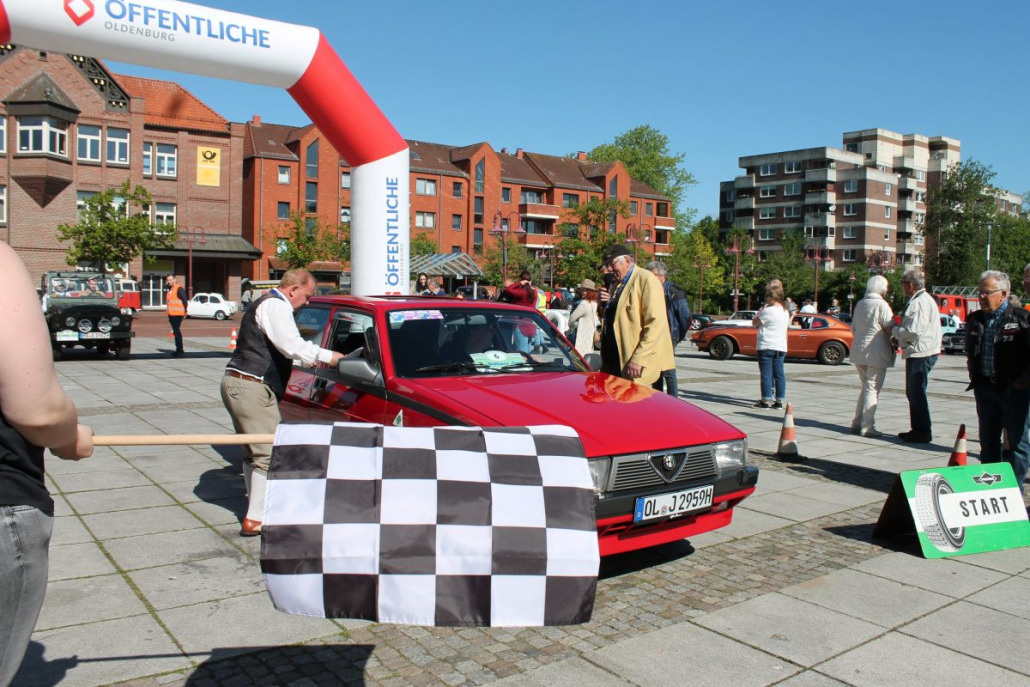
(957, 510)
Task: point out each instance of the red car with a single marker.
(663, 469)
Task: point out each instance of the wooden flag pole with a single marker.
(181, 439)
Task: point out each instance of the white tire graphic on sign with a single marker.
(929, 488)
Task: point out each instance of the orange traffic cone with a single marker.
(958, 454)
(171, 334)
(788, 448)
(232, 340)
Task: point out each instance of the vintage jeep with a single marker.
(81, 309)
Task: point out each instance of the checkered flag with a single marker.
(449, 526)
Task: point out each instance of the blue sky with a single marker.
(720, 79)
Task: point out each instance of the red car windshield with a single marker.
(447, 341)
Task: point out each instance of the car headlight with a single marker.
(600, 471)
(85, 325)
(116, 320)
(69, 321)
(104, 325)
(730, 455)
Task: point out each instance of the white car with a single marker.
(210, 305)
(741, 318)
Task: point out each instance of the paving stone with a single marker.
(110, 500)
(184, 584)
(101, 597)
(993, 636)
(163, 548)
(140, 521)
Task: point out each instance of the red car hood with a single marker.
(611, 415)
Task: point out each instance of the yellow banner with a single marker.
(209, 166)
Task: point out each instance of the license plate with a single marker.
(664, 505)
(67, 335)
(96, 335)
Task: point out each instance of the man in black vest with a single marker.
(256, 377)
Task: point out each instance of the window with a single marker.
(851, 147)
(344, 179)
(791, 167)
(311, 197)
(533, 226)
(311, 226)
(882, 168)
(920, 175)
(167, 156)
(311, 160)
(3, 204)
(727, 215)
(887, 234)
(455, 249)
(887, 189)
(731, 195)
(425, 187)
(148, 159)
(920, 197)
(851, 186)
(480, 175)
(831, 231)
(88, 143)
(663, 209)
(766, 234)
(809, 232)
(456, 190)
(118, 146)
(284, 174)
(886, 210)
(344, 214)
(571, 200)
(456, 222)
(42, 135)
(3, 133)
(425, 220)
(850, 209)
(80, 203)
(649, 209)
(613, 187)
(164, 213)
(506, 195)
(477, 210)
(850, 233)
(532, 196)
(849, 254)
(920, 217)
(283, 211)
(792, 211)
(767, 192)
(792, 189)
(767, 213)
(767, 170)
(569, 230)
(919, 239)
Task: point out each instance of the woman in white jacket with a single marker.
(584, 318)
(871, 352)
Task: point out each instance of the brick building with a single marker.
(69, 129)
(458, 193)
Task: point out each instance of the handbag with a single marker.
(597, 339)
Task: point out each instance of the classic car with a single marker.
(210, 305)
(81, 309)
(741, 318)
(821, 337)
(700, 320)
(663, 469)
(954, 342)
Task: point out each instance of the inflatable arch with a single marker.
(200, 40)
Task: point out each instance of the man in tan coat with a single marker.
(635, 339)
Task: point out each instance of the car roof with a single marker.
(401, 302)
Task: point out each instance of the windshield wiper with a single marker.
(454, 367)
(534, 364)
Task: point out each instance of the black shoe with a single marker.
(778, 405)
(763, 404)
(915, 437)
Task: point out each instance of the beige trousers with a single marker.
(254, 410)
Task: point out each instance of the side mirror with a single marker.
(593, 360)
(358, 372)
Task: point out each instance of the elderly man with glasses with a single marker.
(919, 336)
(635, 340)
(998, 356)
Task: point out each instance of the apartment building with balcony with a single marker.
(862, 203)
(69, 129)
(459, 195)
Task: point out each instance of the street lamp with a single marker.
(503, 232)
(851, 296)
(739, 243)
(547, 252)
(191, 236)
(818, 254)
(633, 235)
(989, 227)
(701, 266)
(880, 261)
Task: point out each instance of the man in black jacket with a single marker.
(998, 352)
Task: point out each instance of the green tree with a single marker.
(309, 240)
(957, 216)
(694, 258)
(423, 243)
(1010, 247)
(788, 265)
(115, 227)
(644, 151)
(493, 260)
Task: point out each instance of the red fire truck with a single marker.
(957, 300)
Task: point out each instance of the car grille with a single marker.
(636, 471)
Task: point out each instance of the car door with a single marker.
(800, 337)
(328, 397)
